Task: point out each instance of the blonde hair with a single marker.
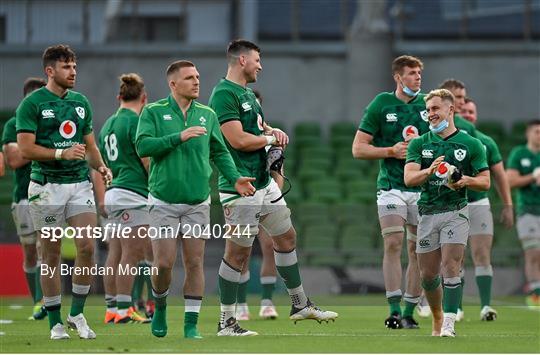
(131, 86)
(444, 94)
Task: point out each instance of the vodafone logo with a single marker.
(442, 170)
(409, 130)
(68, 129)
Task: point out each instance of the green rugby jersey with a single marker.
(57, 122)
(493, 156)
(460, 150)
(388, 120)
(525, 161)
(464, 125)
(180, 171)
(231, 101)
(117, 145)
(21, 178)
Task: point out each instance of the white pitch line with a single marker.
(6, 321)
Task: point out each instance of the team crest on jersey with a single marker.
(525, 162)
(391, 117)
(68, 129)
(80, 112)
(47, 113)
(246, 106)
(202, 120)
(409, 130)
(424, 115)
(460, 154)
(260, 122)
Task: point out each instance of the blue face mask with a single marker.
(440, 127)
(409, 92)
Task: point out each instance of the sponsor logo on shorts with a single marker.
(89, 202)
(424, 243)
(47, 113)
(460, 154)
(80, 112)
(68, 129)
(258, 215)
(50, 219)
(409, 131)
(246, 106)
(450, 234)
(391, 206)
(125, 216)
(227, 211)
(427, 153)
(391, 117)
(483, 225)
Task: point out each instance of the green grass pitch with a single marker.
(359, 329)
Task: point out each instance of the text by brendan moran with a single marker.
(65, 269)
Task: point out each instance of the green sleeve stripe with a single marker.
(483, 169)
(25, 131)
(411, 161)
(154, 104)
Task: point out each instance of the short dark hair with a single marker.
(532, 123)
(58, 53)
(176, 66)
(131, 87)
(468, 99)
(240, 46)
(405, 61)
(32, 84)
(450, 84)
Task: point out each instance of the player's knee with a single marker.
(451, 267)
(430, 282)
(85, 251)
(193, 263)
(393, 245)
(278, 222)
(164, 263)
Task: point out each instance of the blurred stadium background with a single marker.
(323, 61)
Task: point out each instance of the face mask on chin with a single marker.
(440, 127)
(408, 91)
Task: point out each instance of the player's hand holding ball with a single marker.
(75, 152)
(435, 165)
(192, 132)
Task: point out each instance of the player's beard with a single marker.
(64, 83)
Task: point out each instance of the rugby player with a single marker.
(54, 130)
(481, 218)
(523, 171)
(390, 121)
(180, 136)
(19, 205)
(246, 135)
(445, 162)
(126, 199)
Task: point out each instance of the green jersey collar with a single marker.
(232, 83)
(176, 108)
